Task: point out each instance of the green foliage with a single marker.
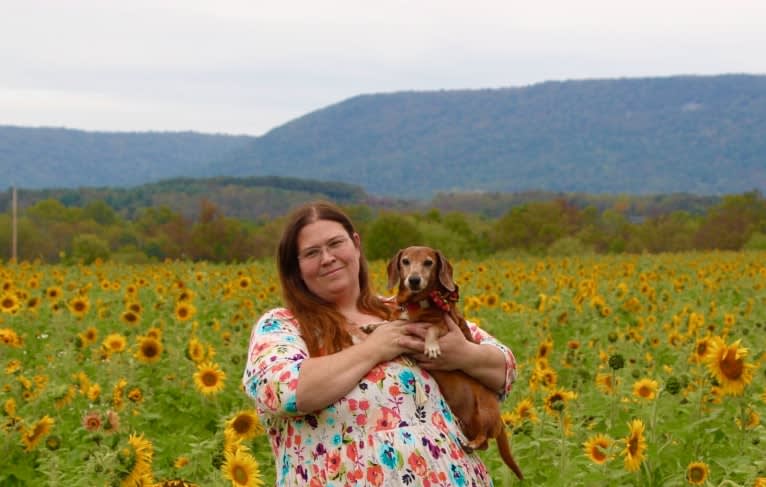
(388, 234)
(87, 248)
(757, 241)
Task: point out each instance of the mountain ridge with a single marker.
(697, 134)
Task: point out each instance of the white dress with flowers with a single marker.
(378, 434)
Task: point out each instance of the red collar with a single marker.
(442, 300)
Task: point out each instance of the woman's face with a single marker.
(329, 261)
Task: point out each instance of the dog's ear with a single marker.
(445, 272)
(393, 270)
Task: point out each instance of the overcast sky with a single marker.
(245, 67)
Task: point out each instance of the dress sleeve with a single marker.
(483, 338)
(274, 359)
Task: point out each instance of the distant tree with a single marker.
(100, 212)
(535, 226)
(87, 248)
(389, 233)
(731, 223)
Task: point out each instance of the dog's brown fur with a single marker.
(423, 276)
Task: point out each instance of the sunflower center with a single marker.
(182, 312)
(242, 424)
(696, 474)
(731, 367)
(149, 350)
(209, 379)
(240, 475)
(633, 445)
(79, 306)
(598, 453)
(644, 391)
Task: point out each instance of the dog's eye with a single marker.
(428, 263)
(405, 261)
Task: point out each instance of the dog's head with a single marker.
(419, 270)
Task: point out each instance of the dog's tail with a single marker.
(505, 451)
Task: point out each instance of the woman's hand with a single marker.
(455, 349)
(387, 341)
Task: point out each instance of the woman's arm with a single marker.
(283, 380)
(324, 380)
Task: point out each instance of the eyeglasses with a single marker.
(313, 253)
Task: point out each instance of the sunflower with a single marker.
(544, 349)
(241, 469)
(186, 295)
(10, 337)
(245, 425)
(33, 303)
(209, 378)
(54, 293)
(525, 410)
(635, 446)
(753, 419)
(92, 421)
(135, 395)
(728, 366)
(184, 310)
(149, 350)
(154, 332)
(697, 472)
(701, 348)
(79, 306)
(9, 303)
(114, 343)
(31, 437)
(557, 401)
(138, 457)
(195, 351)
(244, 282)
(13, 366)
(597, 447)
(760, 482)
(605, 383)
(645, 389)
(117, 393)
(130, 317)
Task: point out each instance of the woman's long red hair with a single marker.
(322, 327)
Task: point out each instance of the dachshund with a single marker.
(426, 292)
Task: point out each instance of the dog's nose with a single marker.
(414, 282)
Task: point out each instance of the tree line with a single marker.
(53, 232)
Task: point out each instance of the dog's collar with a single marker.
(442, 300)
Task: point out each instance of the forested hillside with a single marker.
(63, 158)
(704, 135)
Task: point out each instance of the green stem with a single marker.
(614, 398)
(563, 464)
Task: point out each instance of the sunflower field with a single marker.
(634, 370)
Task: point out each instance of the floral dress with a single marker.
(393, 428)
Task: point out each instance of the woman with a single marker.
(357, 411)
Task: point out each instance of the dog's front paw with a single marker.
(433, 351)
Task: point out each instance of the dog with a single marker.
(426, 292)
